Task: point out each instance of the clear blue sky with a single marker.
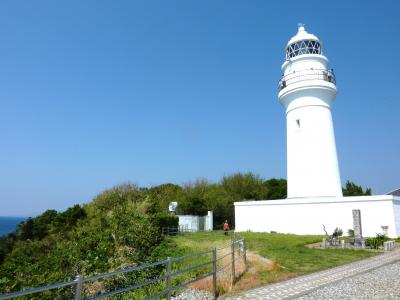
(96, 93)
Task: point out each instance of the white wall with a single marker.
(197, 223)
(189, 222)
(306, 216)
(209, 221)
(396, 206)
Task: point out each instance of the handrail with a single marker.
(223, 256)
(174, 259)
(38, 289)
(303, 75)
(191, 268)
(129, 288)
(122, 271)
(79, 280)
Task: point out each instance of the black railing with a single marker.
(312, 74)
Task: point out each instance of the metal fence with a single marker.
(201, 234)
(234, 250)
(175, 230)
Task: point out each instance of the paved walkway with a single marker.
(303, 285)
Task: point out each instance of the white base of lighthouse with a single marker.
(307, 216)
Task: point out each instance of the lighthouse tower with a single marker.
(314, 197)
(307, 90)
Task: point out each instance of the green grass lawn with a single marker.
(291, 253)
(288, 251)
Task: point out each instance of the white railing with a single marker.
(312, 74)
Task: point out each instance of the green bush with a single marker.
(377, 241)
(337, 232)
(161, 220)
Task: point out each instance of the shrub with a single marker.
(377, 241)
(161, 220)
(337, 232)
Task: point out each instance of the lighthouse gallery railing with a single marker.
(312, 74)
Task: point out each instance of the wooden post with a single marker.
(168, 278)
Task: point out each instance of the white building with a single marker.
(307, 90)
(196, 223)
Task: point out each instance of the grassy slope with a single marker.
(288, 251)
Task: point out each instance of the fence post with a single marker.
(244, 253)
(78, 289)
(168, 278)
(233, 263)
(214, 253)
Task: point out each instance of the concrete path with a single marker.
(303, 285)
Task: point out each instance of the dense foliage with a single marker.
(111, 232)
(201, 196)
(377, 241)
(351, 189)
(120, 227)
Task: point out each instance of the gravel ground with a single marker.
(192, 294)
(381, 283)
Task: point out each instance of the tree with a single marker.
(248, 186)
(351, 189)
(194, 206)
(276, 188)
(25, 229)
(221, 203)
(164, 194)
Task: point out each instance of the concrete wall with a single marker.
(189, 222)
(197, 223)
(396, 206)
(307, 215)
(209, 221)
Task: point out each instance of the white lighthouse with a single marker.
(315, 201)
(307, 90)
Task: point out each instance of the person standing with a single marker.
(226, 227)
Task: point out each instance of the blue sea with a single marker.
(8, 224)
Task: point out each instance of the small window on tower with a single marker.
(298, 123)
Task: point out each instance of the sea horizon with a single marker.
(9, 224)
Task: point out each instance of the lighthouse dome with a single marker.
(303, 43)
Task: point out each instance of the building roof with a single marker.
(303, 35)
(395, 192)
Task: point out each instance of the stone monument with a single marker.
(357, 226)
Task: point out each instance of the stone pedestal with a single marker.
(385, 230)
(362, 244)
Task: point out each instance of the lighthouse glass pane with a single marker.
(303, 47)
